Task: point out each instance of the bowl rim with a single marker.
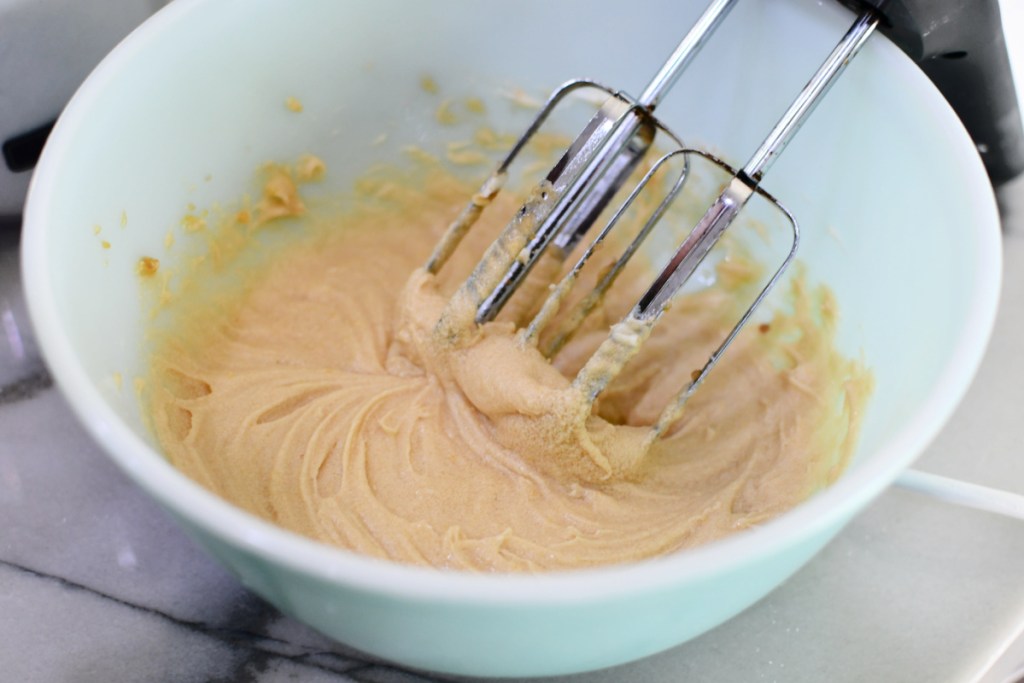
(242, 530)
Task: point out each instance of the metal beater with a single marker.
(564, 207)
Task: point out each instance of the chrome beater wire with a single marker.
(561, 210)
(579, 186)
(627, 336)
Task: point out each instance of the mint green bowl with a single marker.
(897, 215)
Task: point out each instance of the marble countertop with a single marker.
(98, 584)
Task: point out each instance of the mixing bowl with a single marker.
(897, 216)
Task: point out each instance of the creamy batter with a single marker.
(323, 398)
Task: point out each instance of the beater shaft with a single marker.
(735, 196)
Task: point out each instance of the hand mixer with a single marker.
(562, 209)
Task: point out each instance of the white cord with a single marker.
(963, 493)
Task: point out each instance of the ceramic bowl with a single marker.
(897, 214)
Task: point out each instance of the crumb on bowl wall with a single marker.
(309, 168)
(444, 114)
(429, 85)
(147, 266)
(193, 223)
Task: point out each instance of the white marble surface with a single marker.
(97, 584)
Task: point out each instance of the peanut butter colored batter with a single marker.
(323, 398)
